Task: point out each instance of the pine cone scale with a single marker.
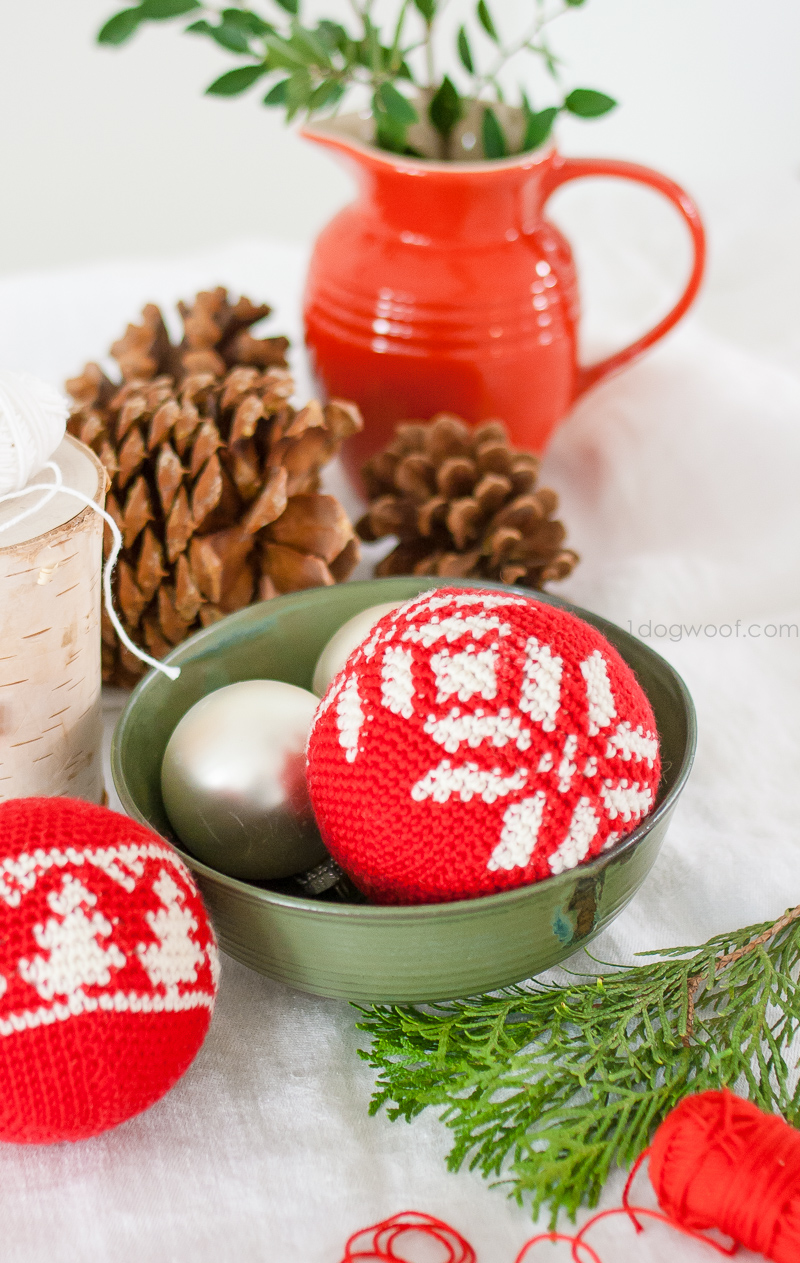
(463, 504)
(205, 456)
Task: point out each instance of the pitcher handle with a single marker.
(564, 169)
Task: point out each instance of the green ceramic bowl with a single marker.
(365, 953)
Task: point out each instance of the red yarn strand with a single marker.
(376, 1244)
(716, 1162)
(591, 1255)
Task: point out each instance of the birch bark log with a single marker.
(50, 592)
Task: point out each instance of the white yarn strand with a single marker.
(33, 419)
(32, 424)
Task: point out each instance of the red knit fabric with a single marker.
(108, 969)
(478, 741)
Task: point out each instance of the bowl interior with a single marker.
(282, 639)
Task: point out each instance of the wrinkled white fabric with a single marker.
(679, 486)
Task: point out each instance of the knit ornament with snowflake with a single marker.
(108, 969)
(475, 742)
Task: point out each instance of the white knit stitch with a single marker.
(349, 718)
(175, 957)
(582, 828)
(456, 729)
(397, 681)
(328, 699)
(598, 691)
(591, 766)
(19, 876)
(541, 685)
(630, 801)
(545, 762)
(116, 1002)
(566, 768)
(465, 674)
(76, 957)
(430, 604)
(451, 629)
(467, 781)
(378, 636)
(520, 832)
(214, 964)
(611, 841)
(632, 743)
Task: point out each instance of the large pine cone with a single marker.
(463, 504)
(214, 475)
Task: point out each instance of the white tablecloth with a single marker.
(679, 484)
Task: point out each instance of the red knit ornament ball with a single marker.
(108, 969)
(478, 741)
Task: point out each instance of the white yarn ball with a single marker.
(33, 418)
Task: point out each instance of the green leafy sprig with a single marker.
(308, 68)
(546, 1088)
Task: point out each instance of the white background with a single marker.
(678, 483)
(116, 152)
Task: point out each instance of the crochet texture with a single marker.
(108, 969)
(478, 741)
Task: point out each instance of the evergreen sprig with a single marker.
(308, 68)
(548, 1087)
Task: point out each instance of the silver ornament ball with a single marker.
(344, 641)
(233, 781)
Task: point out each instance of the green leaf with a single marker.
(427, 8)
(226, 35)
(446, 109)
(284, 54)
(551, 1086)
(277, 93)
(120, 27)
(247, 21)
(587, 103)
(574, 3)
(307, 44)
(397, 107)
(538, 127)
(390, 130)
(325, 95)
(487, 22)
(291, 6)
(494, 141)
(465, 52)
(298, 93)
(161, 10)
(333, 35)
(388, 135)
(236, 81)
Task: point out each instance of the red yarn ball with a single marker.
(475, 742)
(108, 969)
(718, 1161)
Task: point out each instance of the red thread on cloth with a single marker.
(377, 1244)
(475, 742)
(716, 1162)
(108, 969)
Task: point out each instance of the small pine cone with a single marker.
(463, 504)
(213, 474)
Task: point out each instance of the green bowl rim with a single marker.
(399, 912)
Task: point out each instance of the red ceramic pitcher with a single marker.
(443, 287)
